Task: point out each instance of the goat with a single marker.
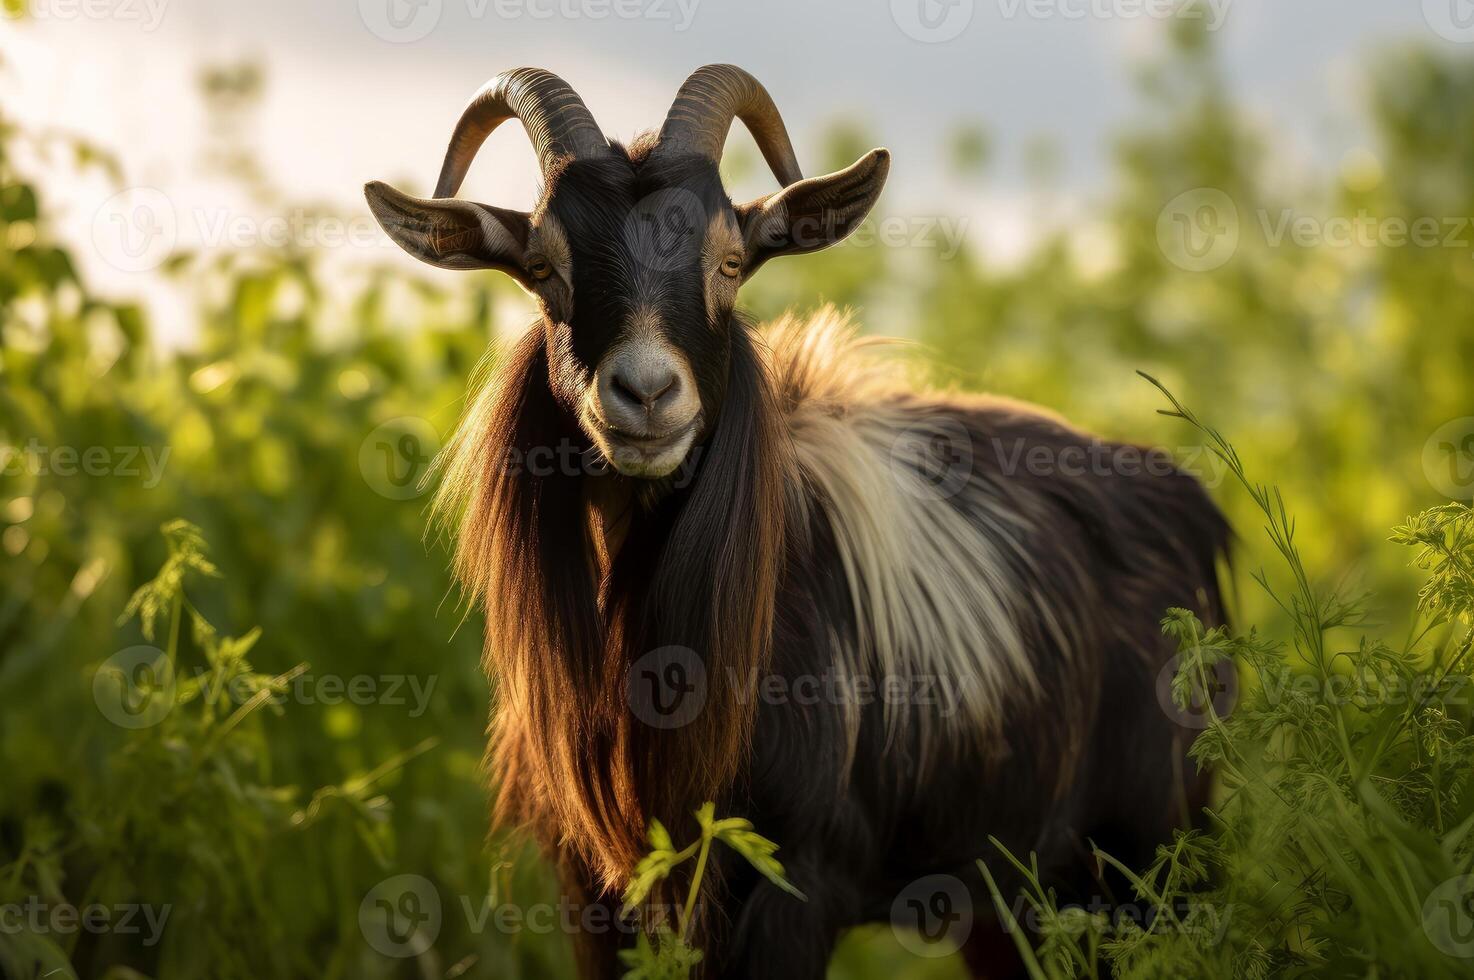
(737, 507)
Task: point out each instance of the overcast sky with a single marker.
(365, 89)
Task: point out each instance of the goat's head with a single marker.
(634, 255)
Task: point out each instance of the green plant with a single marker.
(666, 954)
(1333, 363)
(1343, 809)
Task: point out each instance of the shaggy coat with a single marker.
(909, 621)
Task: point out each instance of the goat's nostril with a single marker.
(625, 390)
(643, 390)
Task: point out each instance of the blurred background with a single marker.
(1266, 205)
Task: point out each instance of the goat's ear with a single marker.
(453, 234)
(814, 213)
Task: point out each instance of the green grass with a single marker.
(1343, 819)
(266, 829)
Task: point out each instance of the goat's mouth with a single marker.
(641, 456)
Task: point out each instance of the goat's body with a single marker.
(960, 650)
(934, 583)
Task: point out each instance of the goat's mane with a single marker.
(698, 569)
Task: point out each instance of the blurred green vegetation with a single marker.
(1332, 367)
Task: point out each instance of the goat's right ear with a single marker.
(453, 234)
(812, 214)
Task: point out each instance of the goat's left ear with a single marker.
(453, 234)
(812, 214)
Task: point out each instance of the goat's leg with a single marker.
(776, 936)
(597, 932)
(991, 953)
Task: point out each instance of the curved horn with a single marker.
(703, 111)
(557, 122)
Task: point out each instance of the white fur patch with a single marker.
(932, 567)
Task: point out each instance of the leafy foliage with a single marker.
(263, 834)
(1343, 808)
(268, 800)
(668, 955)
(1444, 539)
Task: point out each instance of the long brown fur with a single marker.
(563, 627)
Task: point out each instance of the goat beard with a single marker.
(697, 570)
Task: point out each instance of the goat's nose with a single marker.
(644, 386)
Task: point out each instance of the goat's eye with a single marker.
(540, 267)
(732, 265)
